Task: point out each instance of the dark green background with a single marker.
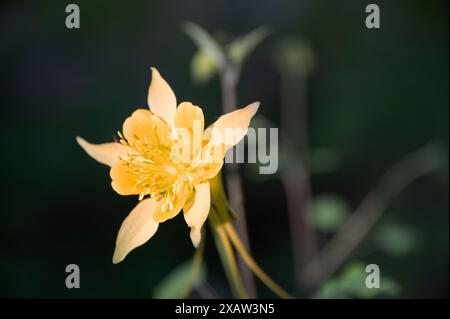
(375, 96)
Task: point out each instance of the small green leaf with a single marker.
(330, 290)
(396, 240)
(353, 280)
(180, 280)
(243, 46)
(328, 212)
(203, 67)
(205, 42)
(351, 283)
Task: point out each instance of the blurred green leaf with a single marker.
(351, 283)
(328, 212)
(205, 42)
(243, 46)
(294, 55)
(180, 280)
(330, 290)
(203, 67)
(396, 240)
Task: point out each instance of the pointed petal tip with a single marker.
(119, 254)
(154, 70)
(254, 106)
(105, 153)
(195, 237)
(161, 98)
(117, 258)
(81, 141)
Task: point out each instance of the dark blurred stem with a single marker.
(352, 233)
(296, 178)
(229, 79)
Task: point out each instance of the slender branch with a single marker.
(229, 79)
(295, 178)
(351, 234)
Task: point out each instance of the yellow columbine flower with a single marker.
(159, 160)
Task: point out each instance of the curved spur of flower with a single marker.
(167, 158)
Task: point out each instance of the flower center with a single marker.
(156, 173)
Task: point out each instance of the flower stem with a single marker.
(220, 218)
(280, 292)
(227, 256)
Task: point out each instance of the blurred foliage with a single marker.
(328, 212)
(180, 281)
(203, 67)
(350, 283)
(241, 48)
(396, 240)
(207, 45)
(212, 57)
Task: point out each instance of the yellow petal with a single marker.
(107, 153)
(144, 127)
(196, 211)
(230, 128)
(161, 99)
(123, 181)
(187, 114)
(208, 169)
(136, 229)
(161, 216)
(164, 213)
(189, 123)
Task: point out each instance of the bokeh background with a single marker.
(373, 97)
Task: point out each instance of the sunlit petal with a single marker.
(107, 153)
(136, 229)
(208, 168)
(161, 99)
(188, 116)
(166, 211)
(230, 128)
(124, 182)
(142, 127)
(189, 123)
(196, 211)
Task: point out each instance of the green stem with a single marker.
(220, 222)
(227, 256)
(251, 263)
